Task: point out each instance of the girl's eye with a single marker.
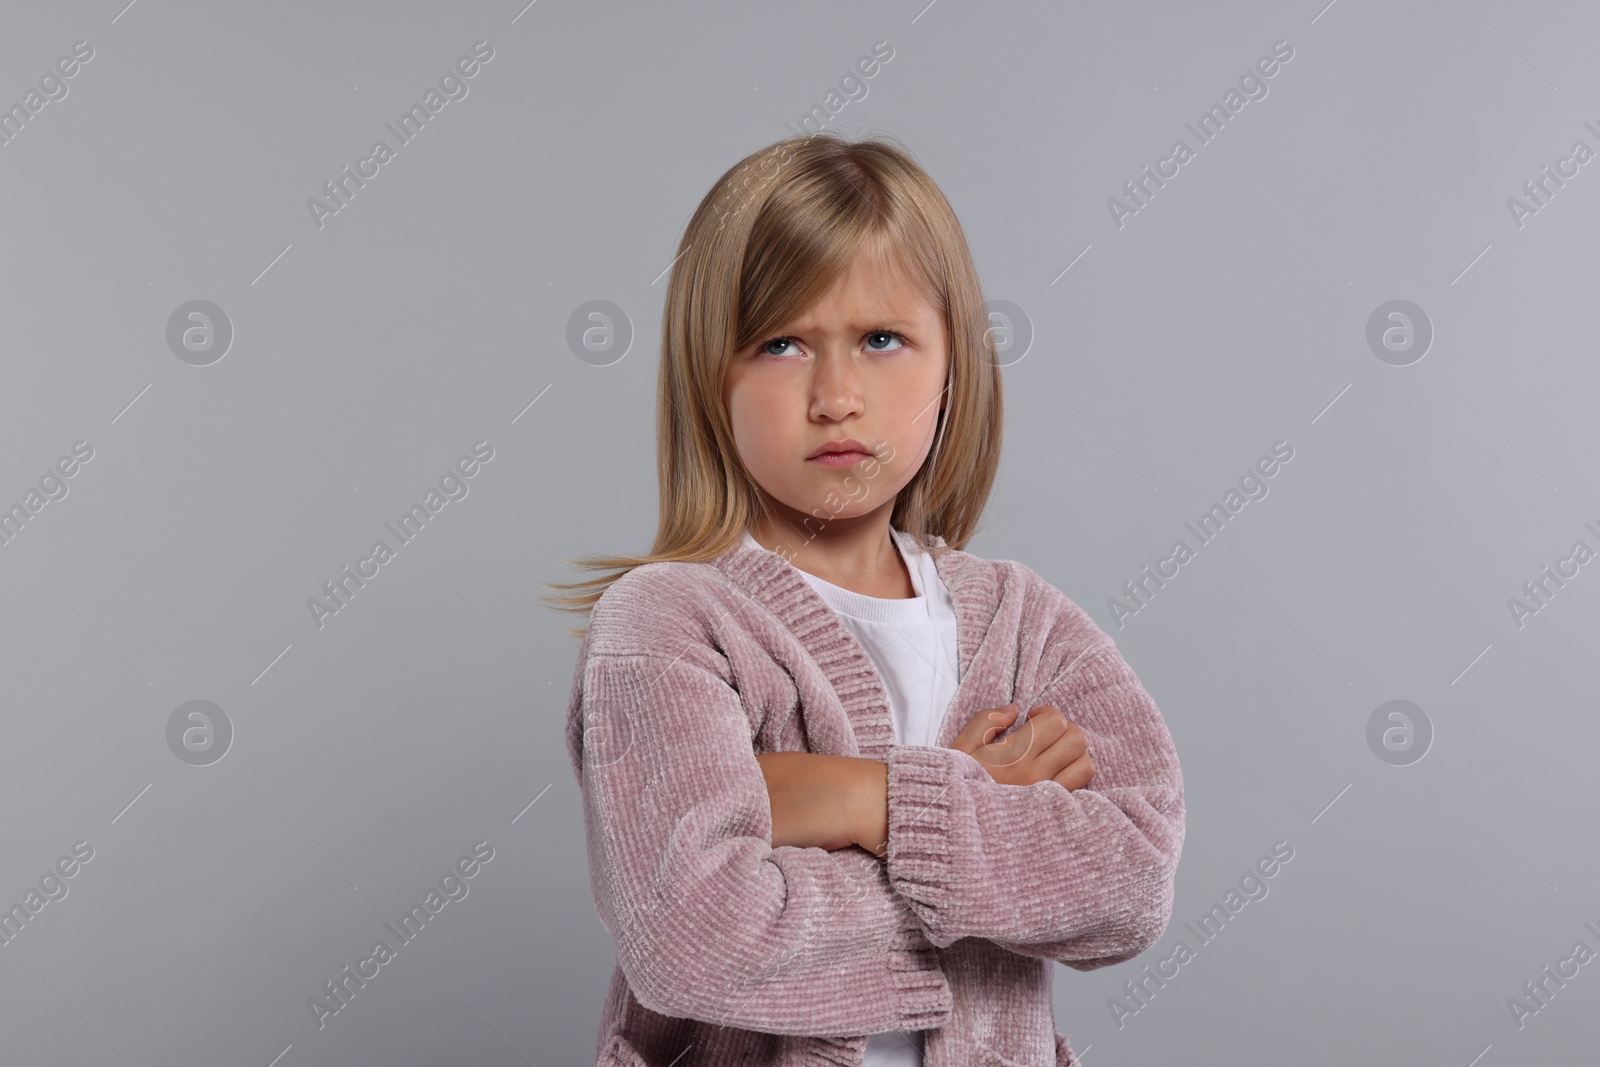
(875, 335)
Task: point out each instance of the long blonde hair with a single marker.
(767, 241)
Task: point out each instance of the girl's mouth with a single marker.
(840, 459)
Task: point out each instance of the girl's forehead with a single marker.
(879, 287)
(859, 310)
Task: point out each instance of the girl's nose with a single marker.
(835, 387)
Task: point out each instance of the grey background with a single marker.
(431, 312)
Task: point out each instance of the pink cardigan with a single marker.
(730, 951)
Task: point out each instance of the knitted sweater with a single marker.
(730, 951)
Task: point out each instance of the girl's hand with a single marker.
(817, 800)
(1044, 748)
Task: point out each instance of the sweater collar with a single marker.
(773, 582)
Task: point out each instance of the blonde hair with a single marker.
(767, 241)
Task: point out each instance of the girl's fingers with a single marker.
(1008, 751)
(1040, 749)
(984, 727)
(1077, 774)
(1063, 751)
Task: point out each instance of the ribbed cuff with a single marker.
(924, 787)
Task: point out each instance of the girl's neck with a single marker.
(863, 559)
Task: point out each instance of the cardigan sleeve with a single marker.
(1082, 877)
(710, 921)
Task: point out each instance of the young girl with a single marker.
(820, 828)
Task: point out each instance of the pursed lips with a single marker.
(840, 459)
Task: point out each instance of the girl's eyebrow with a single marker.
(876, 324)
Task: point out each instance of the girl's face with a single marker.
(868, 362)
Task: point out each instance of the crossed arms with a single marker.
(718, 915)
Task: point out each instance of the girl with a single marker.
(805, 837)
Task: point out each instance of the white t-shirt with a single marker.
(912, 644)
